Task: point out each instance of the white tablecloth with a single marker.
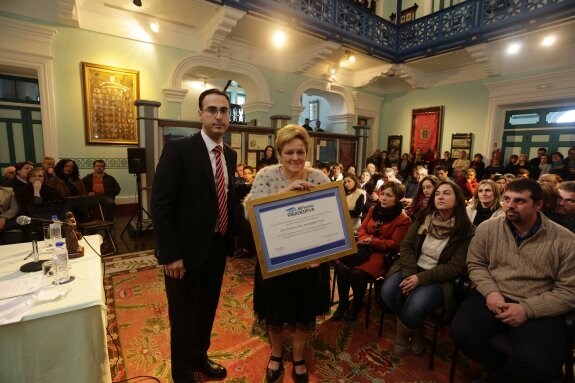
(62, 340)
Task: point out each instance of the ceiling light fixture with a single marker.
(332, 70)
(138, 3)
(279, 39)
(513, 48)
(350, 56)
(548, 41)
(155, 27)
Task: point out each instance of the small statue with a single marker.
(72, 236)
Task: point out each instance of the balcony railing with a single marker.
(468, 23)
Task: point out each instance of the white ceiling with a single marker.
(203, 27)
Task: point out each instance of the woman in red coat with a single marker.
(379, 238)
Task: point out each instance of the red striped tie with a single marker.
(221, 189)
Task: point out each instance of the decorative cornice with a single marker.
(175, 95)
(346, 118)
(68, 12)
(318, 53)
(219, 27)
(481, 56)
(19, 36)
(257, 106)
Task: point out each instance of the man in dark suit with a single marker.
(192, 215)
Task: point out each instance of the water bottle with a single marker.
(61, 261)
(55, 230)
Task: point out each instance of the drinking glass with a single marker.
(50, 273)
(48, 242)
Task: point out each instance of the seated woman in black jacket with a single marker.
(38, 200)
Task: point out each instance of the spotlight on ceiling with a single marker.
(513, 48)
(350, 56)
(548, 41)
(138, 3)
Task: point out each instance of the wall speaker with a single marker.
(136, 160)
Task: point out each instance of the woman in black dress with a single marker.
(297, 297)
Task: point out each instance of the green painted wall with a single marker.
(465, 111)
(73, 46)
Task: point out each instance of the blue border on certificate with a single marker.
(287, 260)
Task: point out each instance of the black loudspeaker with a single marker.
(136, 160)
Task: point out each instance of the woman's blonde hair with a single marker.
(494, 205)
(289, 133)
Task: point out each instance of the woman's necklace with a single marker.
(301, 176)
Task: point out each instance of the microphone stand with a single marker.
(36, 264)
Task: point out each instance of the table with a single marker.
(62, 340)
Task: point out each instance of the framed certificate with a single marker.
(296, 229)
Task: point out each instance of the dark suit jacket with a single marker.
(184, 201)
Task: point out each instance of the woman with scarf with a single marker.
(485, 203)
(355, 198)
(421, 196)
(379, 238)
(433, 254)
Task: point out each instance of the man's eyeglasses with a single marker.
(214, 110)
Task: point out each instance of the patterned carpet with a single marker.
(336, 352)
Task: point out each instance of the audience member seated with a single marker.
(388, 175)
(364, 178)
(9, 174)
(534, 163)
(419, 172)
(375, 159)
(569, 164)
(269, 157)
(351, 169)
(523, 163)
(557, 166)
(405, 166)
(550, 196)
(523, 265)
(501, 183)
(493, 168)
(432, 256)
(552, 179)
(566, 205)
(478, 165)
(38, 200)
(244, 243)
(485, 203)
(421, 198)
(470, 183)
(18, 182)
(318, 127)
(447, 162)
(337, 172)
(48, 164)
(10, 231)
(442, 173)
(67, 179)
(462, 162)
(459, 177)
(355, 197)
(544, 167)
(512, 166)
(103, 185)
(379, 239)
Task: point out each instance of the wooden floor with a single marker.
(127, 238)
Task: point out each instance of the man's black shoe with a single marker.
(211, 369)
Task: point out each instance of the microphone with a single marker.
(24, 220)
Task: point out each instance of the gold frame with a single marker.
(350, 246)
(109, 93)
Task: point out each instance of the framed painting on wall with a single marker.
(426, 126)
(394, 142)
(109, 112)
(461, 141)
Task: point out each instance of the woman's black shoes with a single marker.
(299, 378)
(353, 312)
(273, 376)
